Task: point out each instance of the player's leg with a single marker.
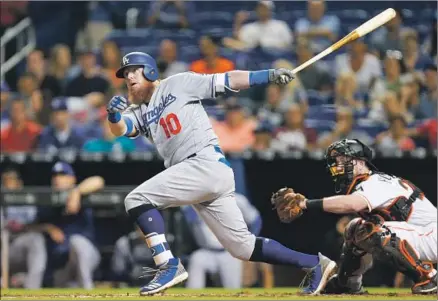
(230, 270)
(201, 263)
(28, 250)
(225, 219)
(423, 241)
(185, 183)
(354, 263)
(85, 257)
(387, 245)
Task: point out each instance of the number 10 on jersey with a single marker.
(170, 125)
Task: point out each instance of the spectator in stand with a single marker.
(263, 135)
(5, 95)
(364, 65)
(266, 32)
(273, 109)
(236, 132)
(427, 129)
(60, 65)
(346, 93)
(316, 76)
(171, 14)
(344, 129)
(111, 58)
(36, 64)
(21, 134)
(211, 61)
(427, 108)
(322, 30)
(396, 138)
(109, 143)
(89, 84)
(413, 58)
(390, 36)
(294, 92)
(167, 61)
(60, 135)
(384, 104)
(430, 44)
(294, 135)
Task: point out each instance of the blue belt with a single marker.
(218, 150)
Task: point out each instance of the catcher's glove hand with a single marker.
(288, 207)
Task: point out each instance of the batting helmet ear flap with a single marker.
(150, 73)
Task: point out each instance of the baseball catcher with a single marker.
(397, 223)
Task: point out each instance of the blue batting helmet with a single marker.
(150, 69)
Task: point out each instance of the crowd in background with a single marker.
(382, 90)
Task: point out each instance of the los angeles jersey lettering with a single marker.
(380, 190)
(175, 120)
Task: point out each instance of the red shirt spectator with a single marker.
(212, 62)
(21, 134)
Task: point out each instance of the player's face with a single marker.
(63, 182)
(11, 181)
(139, 89)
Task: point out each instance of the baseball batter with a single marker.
(398, 223)
(170, 113)
(211, 258)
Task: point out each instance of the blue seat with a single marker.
(214, 19)
(320, 125)
(150, 49)
(189, 53)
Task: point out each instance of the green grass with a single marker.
(204, 294)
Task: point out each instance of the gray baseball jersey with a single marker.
(174, 119)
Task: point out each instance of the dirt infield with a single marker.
(205, 294)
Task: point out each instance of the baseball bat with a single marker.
(361, 31)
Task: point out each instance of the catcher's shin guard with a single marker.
(353, 264)
(381, 243)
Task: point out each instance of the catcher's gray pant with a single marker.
(208, 185)
(82, 261)
(27, 253)
(203, 262)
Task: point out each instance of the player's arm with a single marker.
(339, 204)
(241, 80)
(87, 186)
(121, 120)
(207, 86)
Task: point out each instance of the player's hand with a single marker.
(281, 76)
(73, 204)
(117, 104)
(56, 234)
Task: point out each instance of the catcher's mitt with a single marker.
(287, 209)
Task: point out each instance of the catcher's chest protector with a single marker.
(399, 210)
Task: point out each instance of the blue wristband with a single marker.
(258, 77)
(114, 117)
(129, 126)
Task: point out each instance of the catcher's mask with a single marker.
(342, 173)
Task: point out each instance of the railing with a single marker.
(19, 32)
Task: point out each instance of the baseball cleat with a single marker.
(334, 287)
(429, 285)
(319, 275)
(166, 276)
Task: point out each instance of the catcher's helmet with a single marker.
(343, 175)
(150, 69)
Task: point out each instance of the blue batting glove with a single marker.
(117, 104)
